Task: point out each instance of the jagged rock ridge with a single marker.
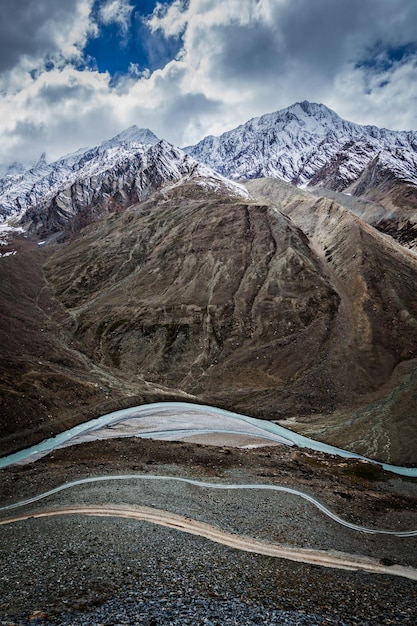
(116, 174)
(22, 188)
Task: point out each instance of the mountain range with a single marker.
(123, 170)
(270, 270)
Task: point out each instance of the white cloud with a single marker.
(386, 99)
(170, 19)
(116, 12)
(36, 30)
(70, 35)
(238, 59)
(253, 56)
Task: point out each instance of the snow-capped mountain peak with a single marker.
(133, 134)
(120, 171)
(299, 142)
(23, 188)
(306, 144)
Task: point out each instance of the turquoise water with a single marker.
(117, 416)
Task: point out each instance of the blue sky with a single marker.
(77, 72)
(115, 48)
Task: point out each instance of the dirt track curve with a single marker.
(338, 560)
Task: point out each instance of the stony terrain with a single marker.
(76, 570)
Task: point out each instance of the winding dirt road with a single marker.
(338, 560)
(208, 485)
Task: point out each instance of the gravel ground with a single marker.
(92, 571)
(77, 570)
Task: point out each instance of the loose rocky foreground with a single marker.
(78, 570)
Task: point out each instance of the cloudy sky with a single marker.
(77, 72)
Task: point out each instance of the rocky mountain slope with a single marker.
(77, 189)
(46, 382)
(170, 280)
(22, 188)
(308, 144)
(373, 351)
(233, 302)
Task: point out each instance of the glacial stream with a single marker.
(179, 420)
